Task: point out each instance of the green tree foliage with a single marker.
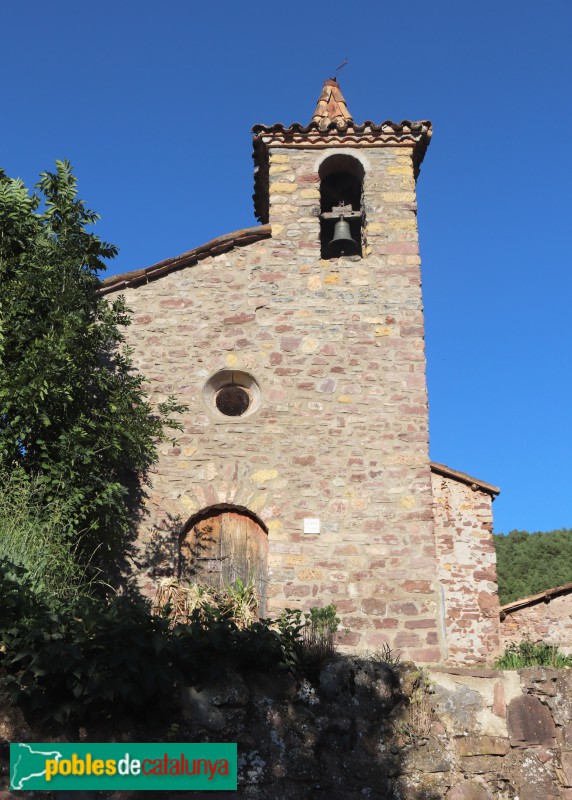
(528, 563)
(73, 413)
(33, 536)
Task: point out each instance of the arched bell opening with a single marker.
(341, 206)
(222, 544)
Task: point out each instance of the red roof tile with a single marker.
(219, 245)
(332, 125)
(462, 477)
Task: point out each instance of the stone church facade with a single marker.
(298, 348)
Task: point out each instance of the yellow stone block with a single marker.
(278, 168)
(263, 475)
(447, 567)
(400, 169)
(310, 194)
(280, 187)
(190, 451)
(275, 526)
(310, 575)
(323, 262)
(332, 279)
(383, 330)
(397, 197)
(277, 158)
(407, 501)
(375, 227)
(231, 360)
(277, 230)
(407, 183)
(345, 398)
(309, 346)
(189, 504)
(402, 224)
(314, 283)
(295, 560)
(258, 502)
(183, 464)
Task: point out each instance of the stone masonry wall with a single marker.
(467, 570)
(549, 622)
(364, 729)
(341, 434)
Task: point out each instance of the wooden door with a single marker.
(223, 547)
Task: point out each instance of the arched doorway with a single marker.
(221, 545)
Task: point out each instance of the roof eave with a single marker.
(532, 599)
(463, 477)
(221, 244)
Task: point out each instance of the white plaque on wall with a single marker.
(311, 525)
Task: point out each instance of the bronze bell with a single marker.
(342, 243)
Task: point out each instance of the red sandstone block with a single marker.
(372, 605)
(297, 591)
(403, 608)
(356, 623)
(349, 638)
(420, 623)
(401, 248)
(485, 575)
(363, 575)
(175, 303)
(404, 639)
(375, 639)
(271, 276)
(428, 655)
(346, 606)
(384, 622)
(238, 319)
(424, 587)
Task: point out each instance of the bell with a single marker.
(342, 243)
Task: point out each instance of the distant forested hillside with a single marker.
(528, 563)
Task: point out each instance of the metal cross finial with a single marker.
(342, 65)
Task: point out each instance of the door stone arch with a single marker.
(222, 544)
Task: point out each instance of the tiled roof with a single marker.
(331, 106)
(546, 596)
(219, 245)
(462, 477)
(332, 125)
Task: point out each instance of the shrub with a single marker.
(33, 536)
(88, 657)
(531, 654)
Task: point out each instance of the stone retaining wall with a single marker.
(367, 730)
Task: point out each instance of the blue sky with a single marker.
(153, 104)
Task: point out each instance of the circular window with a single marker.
(232, 394)
(232, 401)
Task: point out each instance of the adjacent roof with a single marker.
(532, 599)
(462, 477)
(332, 126)
(219, 245)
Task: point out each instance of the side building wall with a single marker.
(548, 621)
(467, 570)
